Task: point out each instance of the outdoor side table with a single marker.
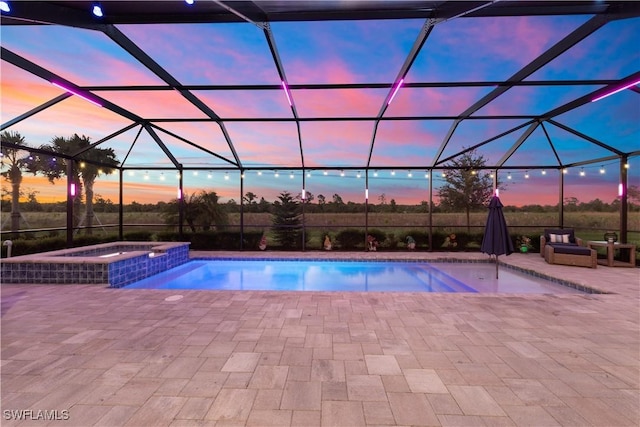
(611, 247)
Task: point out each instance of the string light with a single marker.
(226, 176)
(161, 176)
(358, 174)
(341, 173)
(602, 171)
(565, 171)
(544, 172)
(409, 174)
(509, 175)
(426, 175)
(291, 175)
(526, 174)
(582, 172)
(209, 175)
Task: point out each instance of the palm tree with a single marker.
(16, 160)
(93, 162)
(200, 209)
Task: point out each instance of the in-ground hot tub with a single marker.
(115, 264)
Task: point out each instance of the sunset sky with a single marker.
(459, 50)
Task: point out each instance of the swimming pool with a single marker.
(354, 276)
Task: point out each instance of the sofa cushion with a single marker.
(571, 249)
(559, 232)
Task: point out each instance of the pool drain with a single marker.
(174, 298)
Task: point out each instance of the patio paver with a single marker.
(114, 357)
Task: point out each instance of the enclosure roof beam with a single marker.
(164, 148)
(129, 46)
(425, 30)
(34, 111)
(586, 137)
(105, 139)
(271, 42)
(518, 143)
(47, 75)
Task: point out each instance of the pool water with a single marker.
(355, 276)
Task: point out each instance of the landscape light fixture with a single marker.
(286, 91)
(4, 6)
(627, 86)
(97, 10)
(395, 90)
(66, 89)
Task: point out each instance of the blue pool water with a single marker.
(356, 276)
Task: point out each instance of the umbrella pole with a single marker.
(496, 266)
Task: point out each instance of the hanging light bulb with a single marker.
(291, 175)
(341, 173)
(565, 171)
(209, 175)
(409, 174)
(544, 172)
(226, 176)
(161, 176)
(509, 175)
(526, 174)
(582, 172)
(602, 171)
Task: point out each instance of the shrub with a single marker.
(351, 238)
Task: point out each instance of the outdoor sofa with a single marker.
(561, 246)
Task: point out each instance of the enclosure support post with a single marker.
(180, 203)
(71, 194)
(430, 210)
(304, 202)
(241, 209)
(366, 207)
(120, 207)
(622, 192)
(561, 200)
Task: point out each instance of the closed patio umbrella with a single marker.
(496, 240)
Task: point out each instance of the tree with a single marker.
(17, 160)
(92, 163)
(287, 221)
(201, 209)
(466, 187)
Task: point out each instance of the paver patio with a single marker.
(117, 357)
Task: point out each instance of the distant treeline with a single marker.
(102, 205)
